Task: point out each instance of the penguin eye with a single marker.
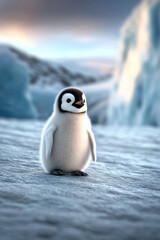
(84, 100)
(68, 100)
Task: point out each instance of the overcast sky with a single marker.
(64, 29)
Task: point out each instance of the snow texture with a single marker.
(120, 199)
(137, 96)
(15, 100)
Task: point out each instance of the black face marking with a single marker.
(78, 98)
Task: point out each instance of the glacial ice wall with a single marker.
(136, 100)
(15, 100)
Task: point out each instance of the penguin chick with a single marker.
(67, 141)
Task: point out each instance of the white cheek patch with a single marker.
(67, 106)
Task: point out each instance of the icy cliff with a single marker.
(15, 100)
(136, 100)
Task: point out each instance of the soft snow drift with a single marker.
(136, 99)
(15, 100)
(118, 200)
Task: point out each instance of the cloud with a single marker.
(17, 36)
(63, 28)
(65, 14)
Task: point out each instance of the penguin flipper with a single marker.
(48, 139)
(92, 144)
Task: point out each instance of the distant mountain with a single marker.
(20, 99)
(43, 73)
(89, 67)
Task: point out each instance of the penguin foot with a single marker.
(78, 173)
(57, 172)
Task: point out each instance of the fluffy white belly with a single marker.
(70, 149)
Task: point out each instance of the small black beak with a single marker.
(78, 104)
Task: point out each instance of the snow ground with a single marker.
(120, 199)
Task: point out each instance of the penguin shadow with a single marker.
(77, 173)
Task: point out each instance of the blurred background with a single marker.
(110, 49)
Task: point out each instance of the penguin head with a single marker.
(72, 100)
